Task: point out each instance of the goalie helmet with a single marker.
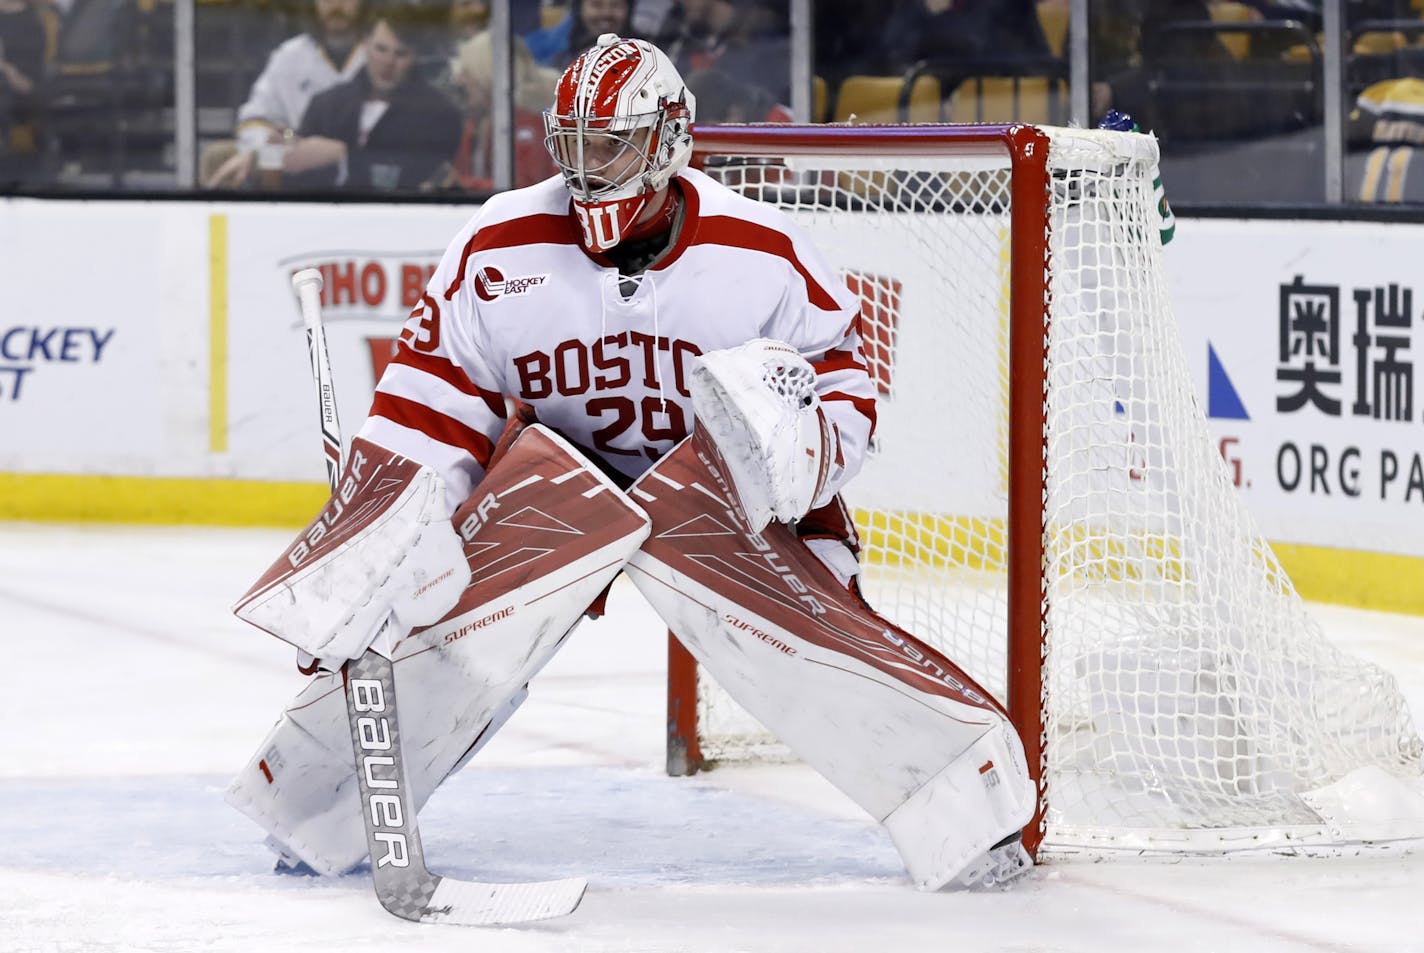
(619, 130)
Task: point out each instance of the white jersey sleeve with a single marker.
(439, 402)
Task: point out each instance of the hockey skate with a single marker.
(289, 864)
(1003, 862)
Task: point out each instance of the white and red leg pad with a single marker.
(544, 533)
(884, 717)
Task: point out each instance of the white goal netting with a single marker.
(1188, 699)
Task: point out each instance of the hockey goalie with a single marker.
(626, 368)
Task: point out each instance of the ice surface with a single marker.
(132, 696)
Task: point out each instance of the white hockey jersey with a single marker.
(296, 71)
(517, 307)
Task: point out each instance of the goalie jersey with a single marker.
(518, 308)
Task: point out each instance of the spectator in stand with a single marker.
(749, 39)
(650, 16)
(721, 97)
(978, 35)
(23, 43)
(298, 69)
(473, 71)
(587, 20)
(1128, 45)
(467, 18)
(1385, 139)
(660, 17)
(847, 39)
(387, 128)
(464, 19)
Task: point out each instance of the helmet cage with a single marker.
(605, 158)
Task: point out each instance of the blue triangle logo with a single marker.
(1222, 401)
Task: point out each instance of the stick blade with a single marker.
(480, 904)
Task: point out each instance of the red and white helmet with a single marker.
(620, 129)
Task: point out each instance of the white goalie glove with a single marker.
(758, 402)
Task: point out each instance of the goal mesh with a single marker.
(1186, 694)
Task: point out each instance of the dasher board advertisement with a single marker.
(1307, 345)
(374, 261)
(149, 339)
(91, 371)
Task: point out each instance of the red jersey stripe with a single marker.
(737, 233)
(545, 229)
(866, 405)
(446, 370)
(838, 361)
(435, 425)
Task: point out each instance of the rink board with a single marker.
(169, 383)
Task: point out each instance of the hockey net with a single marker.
(1036, 410)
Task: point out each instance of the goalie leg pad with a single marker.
(892, 723)
(544, 534)
(301, 787)
(946, 829)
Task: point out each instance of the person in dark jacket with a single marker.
(22, 67)
(984, 36)
(748, 39)
(385, 129)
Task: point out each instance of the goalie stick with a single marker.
(404, 885)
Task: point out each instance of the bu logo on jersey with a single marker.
(600, 225)
(490, 283)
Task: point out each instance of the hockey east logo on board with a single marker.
(490, 283)
(25, 348)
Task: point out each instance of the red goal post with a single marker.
(1044, 503)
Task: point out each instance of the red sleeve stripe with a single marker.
(446, 371)
(546, 229)
(435, 425)
(838, 361)
(738, 233)
(866, 405)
